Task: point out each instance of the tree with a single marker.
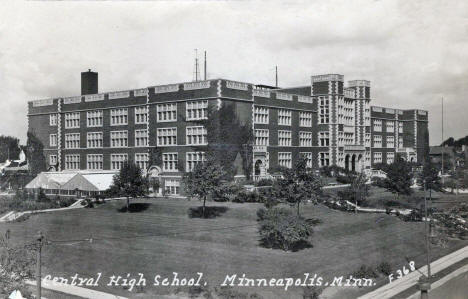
(399, 177)
(357, 192)
(9, 148)
(129, 182)
(205, 180)
(297, 184)
(430, 176)
(35, 154)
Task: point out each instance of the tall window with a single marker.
(196, 110)
(72, 140)
(119, 138)
(53, 160)
(390, 157)
(377, 125)
(400, 141)
(377, 157)
(117, 161)
(305, 119)
(324, 138)
(119, 116)
(141, 138)
(196, 135)
(400, 127)
(167, 136)
(53, 139)
(141, 115)
(166, 112)
(94, 161)
(285, 159)
(390, 141)
(141, 160)
(284, 138)
(72, 162)
(53, 119)
(72, 120)
(171, 186)
(170, 161)
(261, 115)
(262, 137)
(377, 140)
(308, 157)
(284, 117)
(324, 110)
(94, 139)
(390, 126)
(367, 141)
(94, 118)
(324, 159)
(305, 138)
(193, 159)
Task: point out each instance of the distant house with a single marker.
(436, 152)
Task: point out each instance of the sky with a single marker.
(413, 52)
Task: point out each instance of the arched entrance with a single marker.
(258, 167)
(359, 165)
(347, 162)
(353, 163)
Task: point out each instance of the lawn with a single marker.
(162, 239)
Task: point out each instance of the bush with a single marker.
(264, 182)
(364, 272)
(345, 179)
(311, 292)
(280, 228)
(378, 182)
(350, 195)
(384, 268)
(227, 192)
(249, 196)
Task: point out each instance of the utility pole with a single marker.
(443, 152)
(426, 233)
(205, 66)
(276, 76)
(40, 239)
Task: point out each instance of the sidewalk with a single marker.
(398, 286)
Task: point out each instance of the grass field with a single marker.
(162, 239)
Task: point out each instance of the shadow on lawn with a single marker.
(210, 212)
(134, 208)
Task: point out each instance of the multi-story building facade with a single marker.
(325, 121)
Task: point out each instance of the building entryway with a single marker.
(354, 162)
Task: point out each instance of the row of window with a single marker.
(390, 141)
(262, 137)
(195, 135)
(378, 157)
(389, 126)
(96, 161)
(195, 110)
(261, 116)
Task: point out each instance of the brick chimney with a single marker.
(89, 82)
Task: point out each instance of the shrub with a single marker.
(311, 292)
(227, 192)
(264, 182)
(350, 195)
(364, 272)
(378, 182)
(384, 268)
(280, 228)
(249, 196)
(345, 179)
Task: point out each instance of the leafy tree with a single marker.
(129, 182)
(35, 154)
(399, 177)
(430, 176)
(205, 180)
(357, 192)
(9, 148)
(297, 184)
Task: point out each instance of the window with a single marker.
(196, 135)
(367, 141)
(284, 117)
(196, 110)
(400, 127)
(167, 136)
(284, 138)
(94, 118)
(94, 139)
(390, 158)
(262, 137)
(377, 157)
(377, 125)
(117, 161)
(193, 159)
(305, 119)
(72, 140)
(377, 140)
(53, 160)
(166, 112)
(308, 157)
(172, 187)
(94, 162)
(170, 161)
(72, 120)
(400, 141)
(305, 138)
(324, 159)
(119, 116)
(72, 162)
(141, 138)
(53, 119)
(324, 110)
(53, 139)
(390, 141)
(141, 160)
(119, 138)
(141, 115)
(390, 126)
(284, 159)
(261, 115)
(324, 138)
